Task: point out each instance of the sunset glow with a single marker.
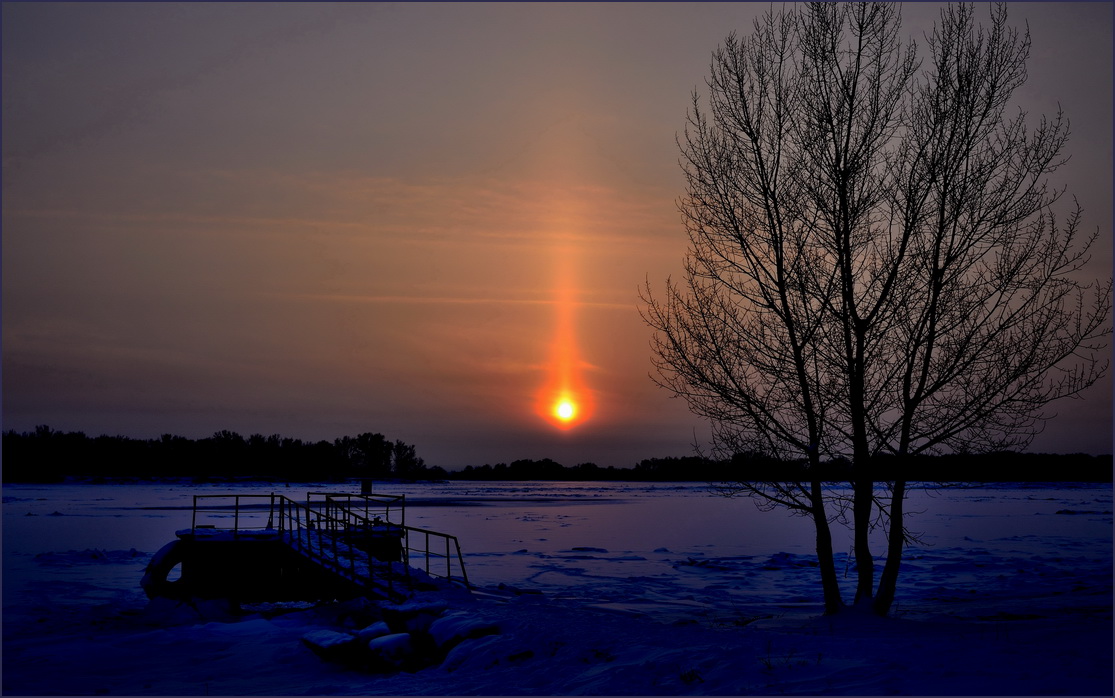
(426, 221)
(564, 399)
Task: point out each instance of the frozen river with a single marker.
(503, 517)
(581, 538)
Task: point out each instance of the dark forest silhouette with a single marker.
(46, 455)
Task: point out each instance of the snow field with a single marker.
(651, 591)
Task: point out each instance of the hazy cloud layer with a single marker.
(320, 219)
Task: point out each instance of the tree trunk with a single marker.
(864, 491)
(829, 583)
(889, 579)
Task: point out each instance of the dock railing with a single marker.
(347, 509)
(326, 529)
(245, 515)
(434, 554)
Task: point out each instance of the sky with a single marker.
(425, 220)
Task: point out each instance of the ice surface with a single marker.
(644, 589)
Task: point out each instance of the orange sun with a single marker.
(565, 410)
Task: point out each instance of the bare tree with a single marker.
(875, 264)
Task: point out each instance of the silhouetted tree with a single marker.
(875, 263)
(405, 461)
(369, 454)
(587, 471)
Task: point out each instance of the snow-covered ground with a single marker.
(634, 589)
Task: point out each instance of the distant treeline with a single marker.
(45, 455)
(993, 467)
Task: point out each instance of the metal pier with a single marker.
(269, 547)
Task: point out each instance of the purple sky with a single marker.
(319, 220)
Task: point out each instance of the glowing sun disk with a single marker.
(565, 410)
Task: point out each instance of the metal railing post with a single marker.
(461, 560)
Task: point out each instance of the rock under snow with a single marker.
(395, 649)
(452, 628)
(481, 654)
(332, 645)
(413, 616)
(378, 629)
